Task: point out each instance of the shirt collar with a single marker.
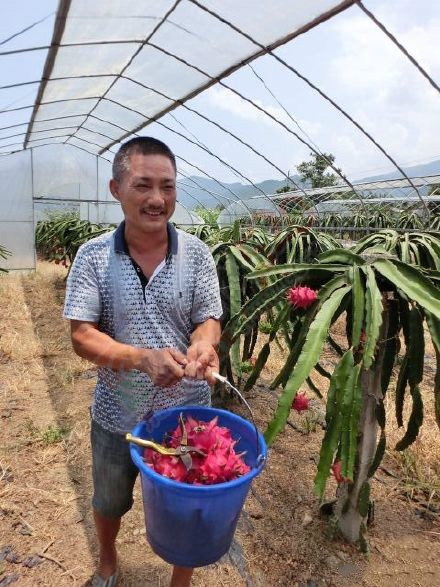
(122, 247)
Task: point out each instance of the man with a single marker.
(144, 306)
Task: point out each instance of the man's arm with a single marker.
(164, 366)
(202, 352)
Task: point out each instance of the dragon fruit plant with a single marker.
(4, 253)
(221, 463)
(382, 301)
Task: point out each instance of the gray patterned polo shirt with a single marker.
(104, 286)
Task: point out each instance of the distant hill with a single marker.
(211, 193)
(195, 190)
(432, 168)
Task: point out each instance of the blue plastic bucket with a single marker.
(193, 525)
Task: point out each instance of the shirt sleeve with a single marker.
(206, 303)
(83, 300)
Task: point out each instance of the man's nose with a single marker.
(155, 196)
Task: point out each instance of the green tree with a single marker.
(314, 172)
(284, 189)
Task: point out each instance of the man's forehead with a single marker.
(151, 165)
(150, 176)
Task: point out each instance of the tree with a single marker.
(284, 189)
(314, 171)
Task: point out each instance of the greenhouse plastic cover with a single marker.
(111, 69)
(115, 66)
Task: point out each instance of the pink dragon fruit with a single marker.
(220, 464)
(336, 469)
(301, 402)
(301, 297)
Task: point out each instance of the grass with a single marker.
(53, 435)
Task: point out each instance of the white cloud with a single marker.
(383, 91)
(224, 99)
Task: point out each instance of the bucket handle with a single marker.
(224, 380)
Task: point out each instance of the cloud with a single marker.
(383, 91)
(223, 99)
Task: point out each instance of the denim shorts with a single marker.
(114, 473)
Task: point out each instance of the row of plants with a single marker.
(353, 223)
(293, 286)
(293, 289)
(380, 299)
(4, 254)
(59, 237)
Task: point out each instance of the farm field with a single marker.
(46, 526)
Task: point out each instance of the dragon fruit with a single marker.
(301, 402)
(221, 463)
(336, 469)
(301, 297)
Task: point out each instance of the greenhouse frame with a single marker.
(102, 84)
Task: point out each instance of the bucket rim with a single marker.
(217, 487)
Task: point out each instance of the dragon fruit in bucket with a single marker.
(220, 464)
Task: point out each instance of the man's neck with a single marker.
(142, 243)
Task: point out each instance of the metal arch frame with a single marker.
(179, 102)
(63, 2)
(215, 195)
(314, 87)
(62, 13)
(212, 81)
(383, 28)
(60, 23)
(139, 48)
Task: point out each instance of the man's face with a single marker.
(147, 192)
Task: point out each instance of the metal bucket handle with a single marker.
(222, 379)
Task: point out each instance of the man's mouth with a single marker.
(151, 212)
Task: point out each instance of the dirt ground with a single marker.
(46, 527)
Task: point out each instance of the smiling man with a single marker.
(144, 305)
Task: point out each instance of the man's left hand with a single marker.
(202, 361)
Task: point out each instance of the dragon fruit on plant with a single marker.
(221, 463)
(301, 297)
(301, 402)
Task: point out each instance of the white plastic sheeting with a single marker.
(320, 201)
(248, 209)
(16, 211)
(115, 65)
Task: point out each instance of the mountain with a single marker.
(195, 191)
(432, 168)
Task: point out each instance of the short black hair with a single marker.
(143, 146)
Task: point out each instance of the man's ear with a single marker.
(114, 188)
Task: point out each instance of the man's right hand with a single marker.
(164, 366)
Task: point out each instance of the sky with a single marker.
(347, 57)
